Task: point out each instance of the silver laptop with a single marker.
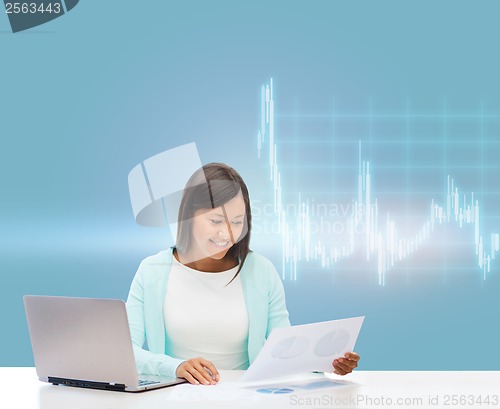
(85, 342)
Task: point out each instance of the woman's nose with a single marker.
(224, 233)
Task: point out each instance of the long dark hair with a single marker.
(212, 186)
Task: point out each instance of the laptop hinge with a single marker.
(87, 384)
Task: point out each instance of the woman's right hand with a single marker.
(198, 371)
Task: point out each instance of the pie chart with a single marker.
(290, 347)
(332, 343)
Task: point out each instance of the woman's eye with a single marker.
(216, 221)
(237, 223)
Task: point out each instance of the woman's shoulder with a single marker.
(259, 259)
(156, 263)
(259, 264)
(260, 273)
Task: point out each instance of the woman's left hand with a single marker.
(345, 365)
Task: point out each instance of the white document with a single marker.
(304, 348)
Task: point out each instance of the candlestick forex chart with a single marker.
(391, 210)
(381, 241)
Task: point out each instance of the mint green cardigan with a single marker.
(264, 299)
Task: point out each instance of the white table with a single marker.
(20, 388)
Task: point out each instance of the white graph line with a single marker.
(383, 245)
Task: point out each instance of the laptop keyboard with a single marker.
(143, 382)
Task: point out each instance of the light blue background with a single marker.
(88, 96)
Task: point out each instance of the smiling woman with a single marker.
(214, 220)
(209, 302)
(214, 233)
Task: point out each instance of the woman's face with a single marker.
(215, 231)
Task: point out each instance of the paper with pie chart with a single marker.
(304, 348)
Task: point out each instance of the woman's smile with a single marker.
(219, 244)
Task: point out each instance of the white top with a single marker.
(204, 317)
